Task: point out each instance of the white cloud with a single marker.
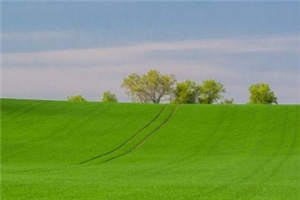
(58, 83)
(30, 36)
(138, 53)
(57, 74)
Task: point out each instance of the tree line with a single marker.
(154, 87)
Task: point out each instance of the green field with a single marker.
(105, 151)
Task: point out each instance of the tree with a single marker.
(210, 91)
(261, 93)
(150, 87)
(228, 101)
(109, 97)
(186, 92)
(76, 98)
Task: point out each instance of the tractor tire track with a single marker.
(191, 157)
(270, 158)
(288, 154)
(253, 172)
(146, 137)
(22, 112)
(286, 157)
(43, 140)
(223, 135)
(183, 160)
(213, 145)
(128, 140)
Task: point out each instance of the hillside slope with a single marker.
(60, 150)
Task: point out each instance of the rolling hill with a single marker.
(59, 150)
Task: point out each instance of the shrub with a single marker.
(109, 97)
(76, 98)
(261, 93)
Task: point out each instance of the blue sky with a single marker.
(58, 49)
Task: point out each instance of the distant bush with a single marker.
(186, 92)
(211, 91)
(261, 93)
(109, 97)
(228, 101)
(76, 98)
(150, 87)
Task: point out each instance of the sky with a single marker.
(51, 50)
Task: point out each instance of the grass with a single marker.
(52, 150)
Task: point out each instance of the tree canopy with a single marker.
(261, 93)
(76, 98)
(155, 87)
(228, 101)
(186, 92)
(150, 87)
(211, 91)
(107, 96)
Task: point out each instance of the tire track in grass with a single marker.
(224, 186)
(170, 165)
(145, 138)
(290, 147)
(27, 109)
(253, 172)
(262, 164)
(271, 157)
(219, 138)
(220, 188)
(288, 153)
(82, 122)
(191, 158)
(128, 140)
(223, 137)
(43, 140)
(251, 129)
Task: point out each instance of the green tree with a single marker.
(150, 87)
(76, 98)
(261, 93)
(211, 91)
(186, 92)
(228, 101)
(109, 97)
